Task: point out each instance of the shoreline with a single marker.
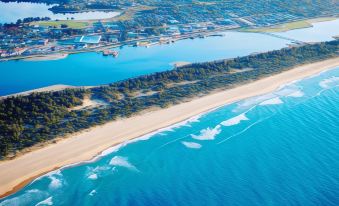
(47, 57)
(52, 88)
(84, 146)
(64, 54)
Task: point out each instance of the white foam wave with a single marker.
(296, 94)
(110, 150)
(249, 102)
(287, 90)
(180, 124)
(122, 162)
(55, 178)
(244, 130)
(207, 134)
(149, 135)
(192, 145)
(55, 183)
(93, 177)
(272, 101)
(100, 168)
(27, 198)
(48, 201)
(330, 82)
(235, 120)
(92, 193)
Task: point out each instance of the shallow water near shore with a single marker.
(279, 148)
(90, 69)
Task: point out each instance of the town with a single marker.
(140, 24)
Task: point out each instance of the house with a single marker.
(132, 35)
(113, 39)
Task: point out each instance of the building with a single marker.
(43, 42)
(88, 39)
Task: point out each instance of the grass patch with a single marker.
(69, 23)
(129, 13)
(290, 26)
(282, 27)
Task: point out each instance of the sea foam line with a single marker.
(244, 130)
(235, 120)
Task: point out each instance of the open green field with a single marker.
(129, 14)
(289, 26)
(70, 23)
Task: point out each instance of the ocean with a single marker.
(276, 149)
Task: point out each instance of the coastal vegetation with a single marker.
(39, 117)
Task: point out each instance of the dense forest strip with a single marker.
(40, 117)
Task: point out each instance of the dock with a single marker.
(283, 37)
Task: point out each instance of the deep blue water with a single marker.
(277, 149)
(88, 69)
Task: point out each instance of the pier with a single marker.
(285, 38)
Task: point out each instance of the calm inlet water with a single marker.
(12, 11)
(89, 69)
(278, 149)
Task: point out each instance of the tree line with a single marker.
(39, 117)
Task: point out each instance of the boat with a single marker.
(115, 53)
(106, 52)
(110, 52)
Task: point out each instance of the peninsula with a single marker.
(138, 106)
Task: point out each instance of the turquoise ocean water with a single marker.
(280, 148)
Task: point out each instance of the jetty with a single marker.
(283, 37)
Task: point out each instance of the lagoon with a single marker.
(89, 69)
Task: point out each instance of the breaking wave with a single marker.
(296, 94)
(27, 198)
(244, 130)
(235, 120)
(55, 183)
(149, 135)
(93, 177)
(48, 201)
(253, 101)
(55, 179)
(207, 134)
(92, 193)
(330, 82)
(272, 101)
(122, 162)
(192, 145)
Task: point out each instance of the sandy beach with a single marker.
(83, 146)
(52, 88)
(180, 63)
(47, 57)
(56, 87)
